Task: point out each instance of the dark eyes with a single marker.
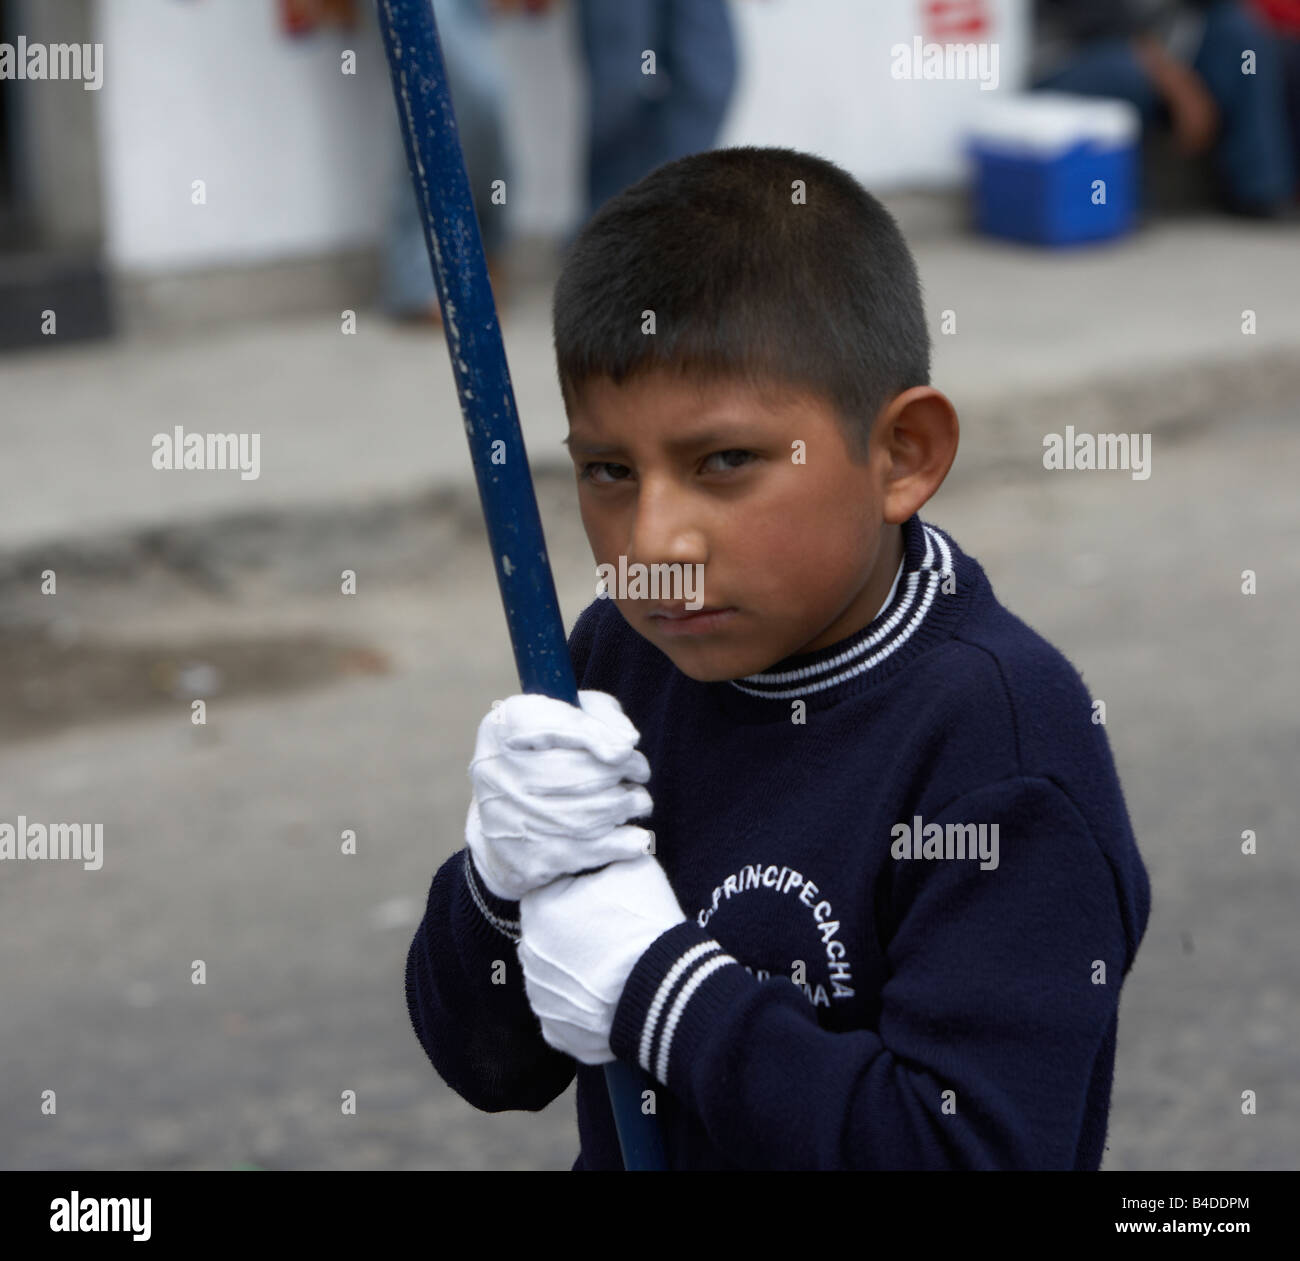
(746, 457)
(591, 472)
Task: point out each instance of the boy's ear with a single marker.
(919, 432)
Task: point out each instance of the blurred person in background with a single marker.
(1180, 62)
(1282, 17)
(476, 79)
(638, 120)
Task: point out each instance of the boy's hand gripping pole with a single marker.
(487, 402)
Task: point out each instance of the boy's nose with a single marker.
(665, 529)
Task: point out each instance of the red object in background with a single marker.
(301, 17)
(1280, 15)
(954, 20)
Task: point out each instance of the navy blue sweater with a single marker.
(955, 987)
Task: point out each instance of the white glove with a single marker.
(579, 941)
(552, 786)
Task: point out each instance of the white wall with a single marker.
(211, 90)
(816, 76)
(296, 155)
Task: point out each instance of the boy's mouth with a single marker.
(678, 619)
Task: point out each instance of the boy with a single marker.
(863, 775)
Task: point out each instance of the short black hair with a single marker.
(748, 282)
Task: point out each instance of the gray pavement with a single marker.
(329, 712)
(226, 847)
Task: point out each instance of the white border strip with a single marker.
(510, 927)
(702, 974)
(933, 577)
(661, 996)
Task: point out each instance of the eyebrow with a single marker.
(708, 437)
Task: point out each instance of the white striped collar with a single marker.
(927, 559)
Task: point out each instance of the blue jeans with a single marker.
(1290, 48)
(1254, 155)
(477, 84)
(636, 121)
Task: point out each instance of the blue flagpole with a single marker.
(487, 403)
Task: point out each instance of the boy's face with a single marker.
(765, 496)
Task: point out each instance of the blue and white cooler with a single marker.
(1055, 169)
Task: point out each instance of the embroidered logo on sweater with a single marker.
(787, 881)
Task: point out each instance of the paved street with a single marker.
(222, 844)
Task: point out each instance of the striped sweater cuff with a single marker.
(676, 996)
(500, 913)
